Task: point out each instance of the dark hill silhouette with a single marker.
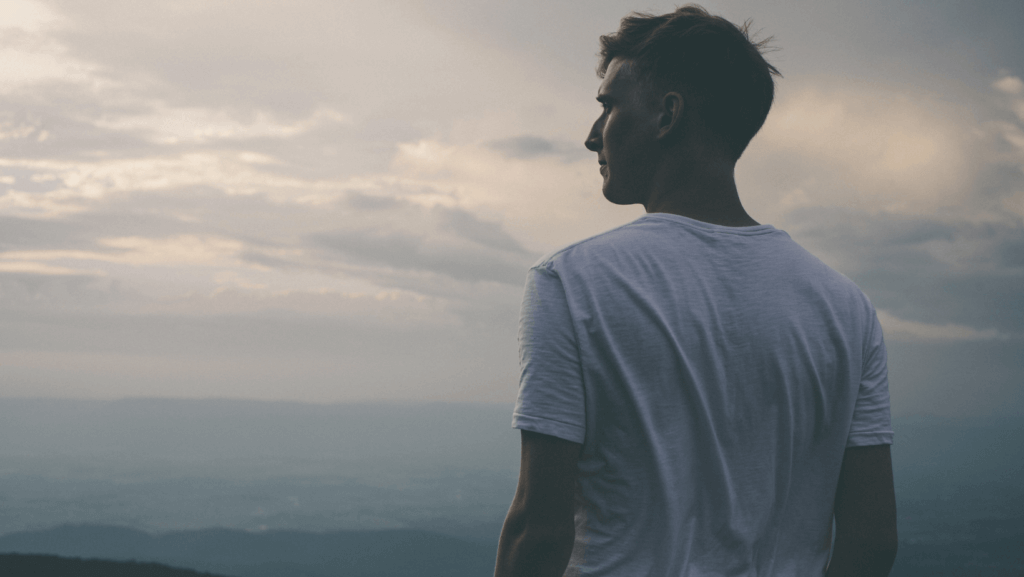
(15, 565)
(393, 553)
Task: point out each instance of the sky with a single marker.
(333, 201)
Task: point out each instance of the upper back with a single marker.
(720, 369)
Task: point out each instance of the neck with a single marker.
(702, 189)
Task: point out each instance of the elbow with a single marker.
(557, 537)
(868, 556)
(540, 530)
(868, 553)
(546, 539)
(534, 549)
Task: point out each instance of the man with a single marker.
(699, 395)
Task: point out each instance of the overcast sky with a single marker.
(331, 201)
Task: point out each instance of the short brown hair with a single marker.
(715, 63)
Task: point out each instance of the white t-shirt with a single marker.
(714, 376)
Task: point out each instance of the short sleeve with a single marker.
(551, 395)
(872, 424)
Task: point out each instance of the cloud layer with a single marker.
(333, 201)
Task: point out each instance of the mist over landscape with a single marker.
(177, 464)
(148, 479)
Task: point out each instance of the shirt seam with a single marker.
(562, 430)
(546, 261)
(547, 419)
(709, 227)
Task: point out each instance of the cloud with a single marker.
(1011, 132)
(917, 200)
(418, 253)
(522, 146)
(124, 258)
(291, 58)
(27, 266)
(344, 197)
(469, 227)
(528, 147)
(543, 201)
(913, 330)
(168, 125)
(29, 55)
(23, 68)
(441, 240)
(924, 268)
(181, 250)
(10, 130)
(862, 146)
(27, 16)
(367, 236)
(1010, 85)
(78, 185)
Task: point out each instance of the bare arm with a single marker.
(538, 534)
(865, 511)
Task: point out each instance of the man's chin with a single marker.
(617, 196)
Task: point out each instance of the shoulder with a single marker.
(843, 295)
(588, 249)
(831, 276)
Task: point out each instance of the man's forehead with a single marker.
(618, 76)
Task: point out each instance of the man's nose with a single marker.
(593, 141)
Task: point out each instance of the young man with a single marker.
(699, 395)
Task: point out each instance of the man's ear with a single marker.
(670, 119)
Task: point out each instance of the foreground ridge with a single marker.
(19, 565)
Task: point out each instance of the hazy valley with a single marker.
(281, 480)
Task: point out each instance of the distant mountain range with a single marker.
(421, 488)
(14, 565)
(397, 553)
(162, 464)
